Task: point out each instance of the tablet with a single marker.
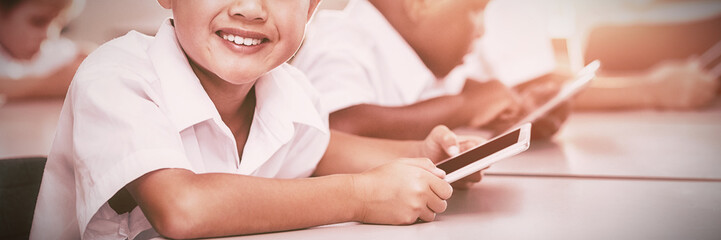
(482, 156)
(583, 78)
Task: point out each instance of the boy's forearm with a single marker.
(181, 204)
(48, 86)
(347, 153)
(615, 93)
(412, 122)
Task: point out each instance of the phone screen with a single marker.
(479, 152)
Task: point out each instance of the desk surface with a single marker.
(659, 145)
(555, 208)
(27, 128)
(646, 144)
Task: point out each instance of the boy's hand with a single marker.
(401, 192)
(681, 85)
(530, 96)
(442, 143)
(483, 102)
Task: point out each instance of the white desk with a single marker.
(647, 144)
(551, 208)
(661, 145)
(27, 128)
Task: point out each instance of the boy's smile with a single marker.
(231, 43)
(246, 42)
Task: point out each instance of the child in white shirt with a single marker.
(384, 69)
(32, 64)
(204, 131)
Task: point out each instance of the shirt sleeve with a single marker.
(341, 76)
(119, 133)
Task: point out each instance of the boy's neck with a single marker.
(397, 15)
(232, 101)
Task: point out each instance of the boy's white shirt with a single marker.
(136, 106)
(356, 57)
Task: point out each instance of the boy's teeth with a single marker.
(241, 40)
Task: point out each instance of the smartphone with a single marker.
(568, 90)
(482, 156)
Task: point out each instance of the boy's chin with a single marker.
(240, 79)
(26, 55)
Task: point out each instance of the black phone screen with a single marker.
(479, 152)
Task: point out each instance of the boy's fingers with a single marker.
(437, 205)
(427, 215)
(427, 165)
(441, 188)
(467, 142)
(474, 178)
(447, 139)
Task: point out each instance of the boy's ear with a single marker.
(165, 4)
(311, 8)
(415, 9)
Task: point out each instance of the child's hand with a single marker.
(483, 102)
(681, 85)
(442, 143)
(530, 96)
(401, 192)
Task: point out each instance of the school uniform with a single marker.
(136, 106)
(355, 56)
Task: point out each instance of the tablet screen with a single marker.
(480, 152)
(568, 90)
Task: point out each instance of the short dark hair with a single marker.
(7, 5)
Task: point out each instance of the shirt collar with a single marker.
(409, 73)
(284, 98)
(185, 98)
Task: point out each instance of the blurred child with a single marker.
(383, 68)
(650, 65)
(204, 131)
(32, 64)
(670, 85)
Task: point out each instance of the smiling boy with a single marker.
(204, 131)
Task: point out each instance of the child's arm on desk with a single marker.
(53, 85)
(182, 204)
(390, 190)
(478, 104)
(669, 85)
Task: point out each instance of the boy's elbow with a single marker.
(179, 217)
(173, 228)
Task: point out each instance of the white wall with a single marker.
(102, 20)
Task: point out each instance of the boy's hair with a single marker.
(7, 5)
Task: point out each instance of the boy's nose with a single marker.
(249, 10)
